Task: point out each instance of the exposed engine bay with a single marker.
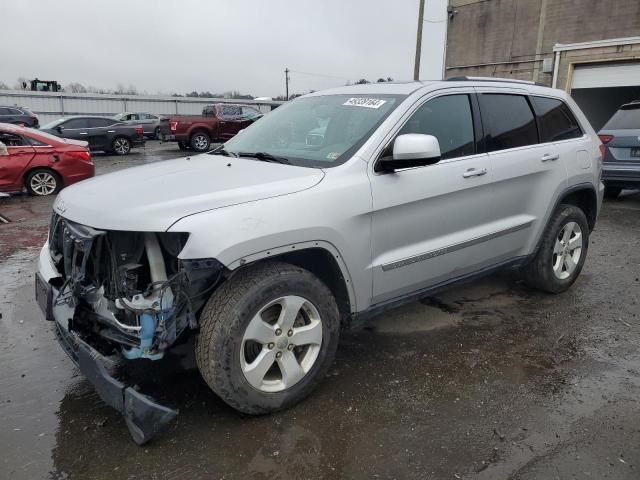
(129, 290)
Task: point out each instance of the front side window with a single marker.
(556, 120)
(318, 131)
(76, 123)
(4, 111)
(450, 120)
(12, 140)
(508, 121)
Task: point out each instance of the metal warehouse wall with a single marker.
(50, 106)
(511, 38)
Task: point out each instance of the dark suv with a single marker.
(621, 136)
(18, 116)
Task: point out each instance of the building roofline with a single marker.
(563, 47)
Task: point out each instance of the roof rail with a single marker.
(492, 79)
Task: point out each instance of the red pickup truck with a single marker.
(218, 122)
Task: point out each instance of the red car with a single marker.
(40, 162)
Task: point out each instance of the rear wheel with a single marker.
(562, 253)
(200, 142)
(611, 193)
(267, 337)
(42, 181)
(156, 133)
(121, 146)
(183, 146)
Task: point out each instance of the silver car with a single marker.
(331, 209)
(148, 121)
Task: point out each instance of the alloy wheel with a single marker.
(567, 250)
(121, 146)
(43, 183)
(200, 142)
(281, 344)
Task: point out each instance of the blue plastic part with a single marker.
(148, 326)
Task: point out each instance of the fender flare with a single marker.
(321, 244)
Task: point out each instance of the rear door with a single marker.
(429, 223)
(527, 174)
(98, 133)
(13, 165)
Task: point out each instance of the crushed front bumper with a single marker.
(144, 417)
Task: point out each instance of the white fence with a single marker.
(51, 105)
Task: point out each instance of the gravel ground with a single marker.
(489, 380)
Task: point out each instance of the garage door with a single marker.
(606, 75)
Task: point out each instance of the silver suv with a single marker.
(332, 208)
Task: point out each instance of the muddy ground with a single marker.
(489, 380)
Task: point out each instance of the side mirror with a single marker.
(4, 152)
(411, 150)
(60, 129)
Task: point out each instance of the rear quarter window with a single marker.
(556, 120)
(508, 120)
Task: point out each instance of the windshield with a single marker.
(322, 131)
(54, 124)
(119, 116)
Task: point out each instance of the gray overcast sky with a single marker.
(164, 46)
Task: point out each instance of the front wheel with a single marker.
(562, 253)
(121, 146)
(267, 337)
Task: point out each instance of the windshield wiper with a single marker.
(223, 152)
(265, 157)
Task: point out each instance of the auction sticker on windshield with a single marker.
(365, 102)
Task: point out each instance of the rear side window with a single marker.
(508, 121)
(624, 119)
(557, 122)
(100, 122)
(4, 111)
(449, 119)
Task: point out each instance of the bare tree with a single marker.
(3, 86)
(75, 87)
(22, 83)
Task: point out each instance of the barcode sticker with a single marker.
(365, 102)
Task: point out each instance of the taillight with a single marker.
(80, 155)
(139, 130)
(605, 138)
(173, 126)
(603, 149)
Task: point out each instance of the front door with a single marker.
(429, 221)
(13, 165)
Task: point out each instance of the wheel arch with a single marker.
(320, 258)
(584, 197)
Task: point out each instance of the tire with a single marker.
(183, 146)
(42, 181)
(556, 266)
(156, 133)
(611, 193)
(225, 355)
(121, 146)
(200, 142)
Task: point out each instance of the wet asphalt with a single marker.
(489, 380)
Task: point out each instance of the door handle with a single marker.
(475, 172)
(83, 133)
(547, 157)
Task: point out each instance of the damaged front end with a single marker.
(125, 293)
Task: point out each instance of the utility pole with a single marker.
(416, 68)
(286, 82)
